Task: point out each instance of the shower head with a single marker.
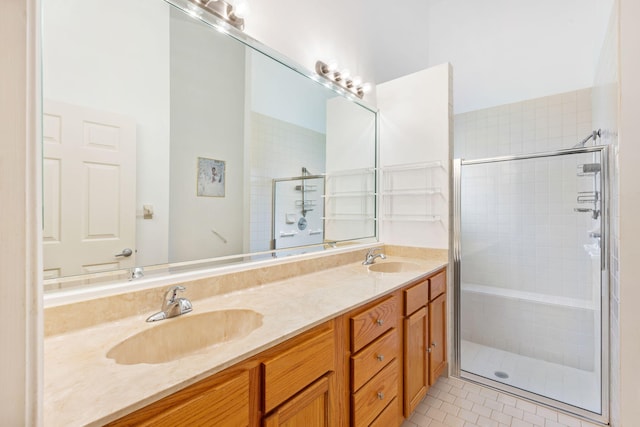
(595, 134)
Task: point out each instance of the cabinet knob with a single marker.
(379, 322)
(380, 395)
(429, 350)
(433, 344)
(380, 357)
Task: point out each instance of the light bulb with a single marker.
(242, 9)
(366, 88)
(332, 65)
(345, 73)
(357, 81)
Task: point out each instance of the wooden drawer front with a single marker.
(310, 407)
(296, 368)
(389, 415)
(415, 297)
(375, 395)
(368, 362)
(370, 324)
(438, 285)
(224, 405)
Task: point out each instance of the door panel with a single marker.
(89, 175)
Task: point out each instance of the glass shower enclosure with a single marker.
(530, 277)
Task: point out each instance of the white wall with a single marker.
(504, 51)
(21, 320)
(350, 170)
(207, 110)
(415, 127)
(311, 31)
(283, 94)
(131, 77)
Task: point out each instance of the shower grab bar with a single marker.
(588, 197)
(219, 235)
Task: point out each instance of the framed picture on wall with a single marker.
(211, 177)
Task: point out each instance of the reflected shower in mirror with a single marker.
(162, 142)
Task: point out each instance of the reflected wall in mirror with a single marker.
(127, 114)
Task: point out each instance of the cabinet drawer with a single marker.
(225, 404)
(370, 324)
(368, 402)
(438, 285)
(415, 297)
(389, 415)
(296, 368)
(370, 360)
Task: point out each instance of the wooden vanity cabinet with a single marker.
(424, 345)
(299, 383)
(374, 365)
(223, 400)
(291, 384)
(364, 368)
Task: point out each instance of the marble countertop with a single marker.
(84, 387)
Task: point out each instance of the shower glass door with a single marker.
(531, 294)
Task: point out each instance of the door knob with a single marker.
(126, 252)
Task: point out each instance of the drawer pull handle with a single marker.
(379, 322)
(380, 357)
(380, 395)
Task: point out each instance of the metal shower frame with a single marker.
(604, 284)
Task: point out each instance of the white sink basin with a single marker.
(394, 267)
(177, 337)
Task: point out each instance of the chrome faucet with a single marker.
(172, 306)
(372, 255)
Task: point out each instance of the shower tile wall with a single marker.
(512, 246)
(278, 149)
(541, 124)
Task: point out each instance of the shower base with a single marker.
(565, 384)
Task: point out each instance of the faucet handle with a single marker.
(172, 293)
(372, 251)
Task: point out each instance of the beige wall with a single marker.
(629, 179)
(21, 313)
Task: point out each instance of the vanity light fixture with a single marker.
(342, 78)
(223, 10)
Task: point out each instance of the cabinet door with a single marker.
(310, 408)
(415, 359)
(437, 337)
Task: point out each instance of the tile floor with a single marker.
(452, 402)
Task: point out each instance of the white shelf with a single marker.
(413, 192)
(349, 194)
(349, 217)
(408, 192)
(412, 218)
(411, 166)
(349, 172)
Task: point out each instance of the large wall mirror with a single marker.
(167, 142)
